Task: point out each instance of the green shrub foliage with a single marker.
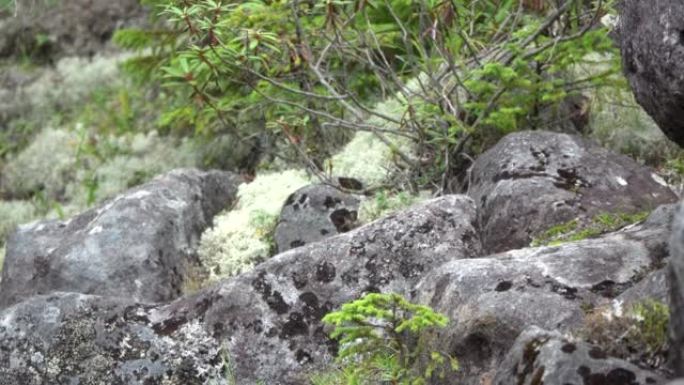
(385, 339)
(297, 71)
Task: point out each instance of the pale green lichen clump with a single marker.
(368, 158)
(14, 213)
(59, 163)
(73, 78)
(364, 158)
(238, 240)
(43, 166)
(138, 158)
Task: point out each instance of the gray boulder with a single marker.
(267, 320)
(68, 338)
(140, 245)
(652, 44)
(45, 29)
(655, 286)
(490, 301)
(543, 357)
(531, 181)
(315, 212)
(676, 277)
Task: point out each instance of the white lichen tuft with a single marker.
(367, 157)
(238, 240)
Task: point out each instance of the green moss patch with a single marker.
(575, 230)
(638, 332)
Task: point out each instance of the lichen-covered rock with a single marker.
(44, 29)
(655, 286)
(312, 213)
(267, 320)
(491, 300)
(69, 338)
(531, 181)
(676, 277)
(544, 357)
(141, 244)
(652, 45)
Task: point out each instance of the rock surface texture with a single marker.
(69, 338)
(270, 318)
(313, 213)
(139, 245)
(66, 321)
(492, 300)
(542, 357)
(267, 320)
(531, 181)
(652, 43)
(676, 276)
